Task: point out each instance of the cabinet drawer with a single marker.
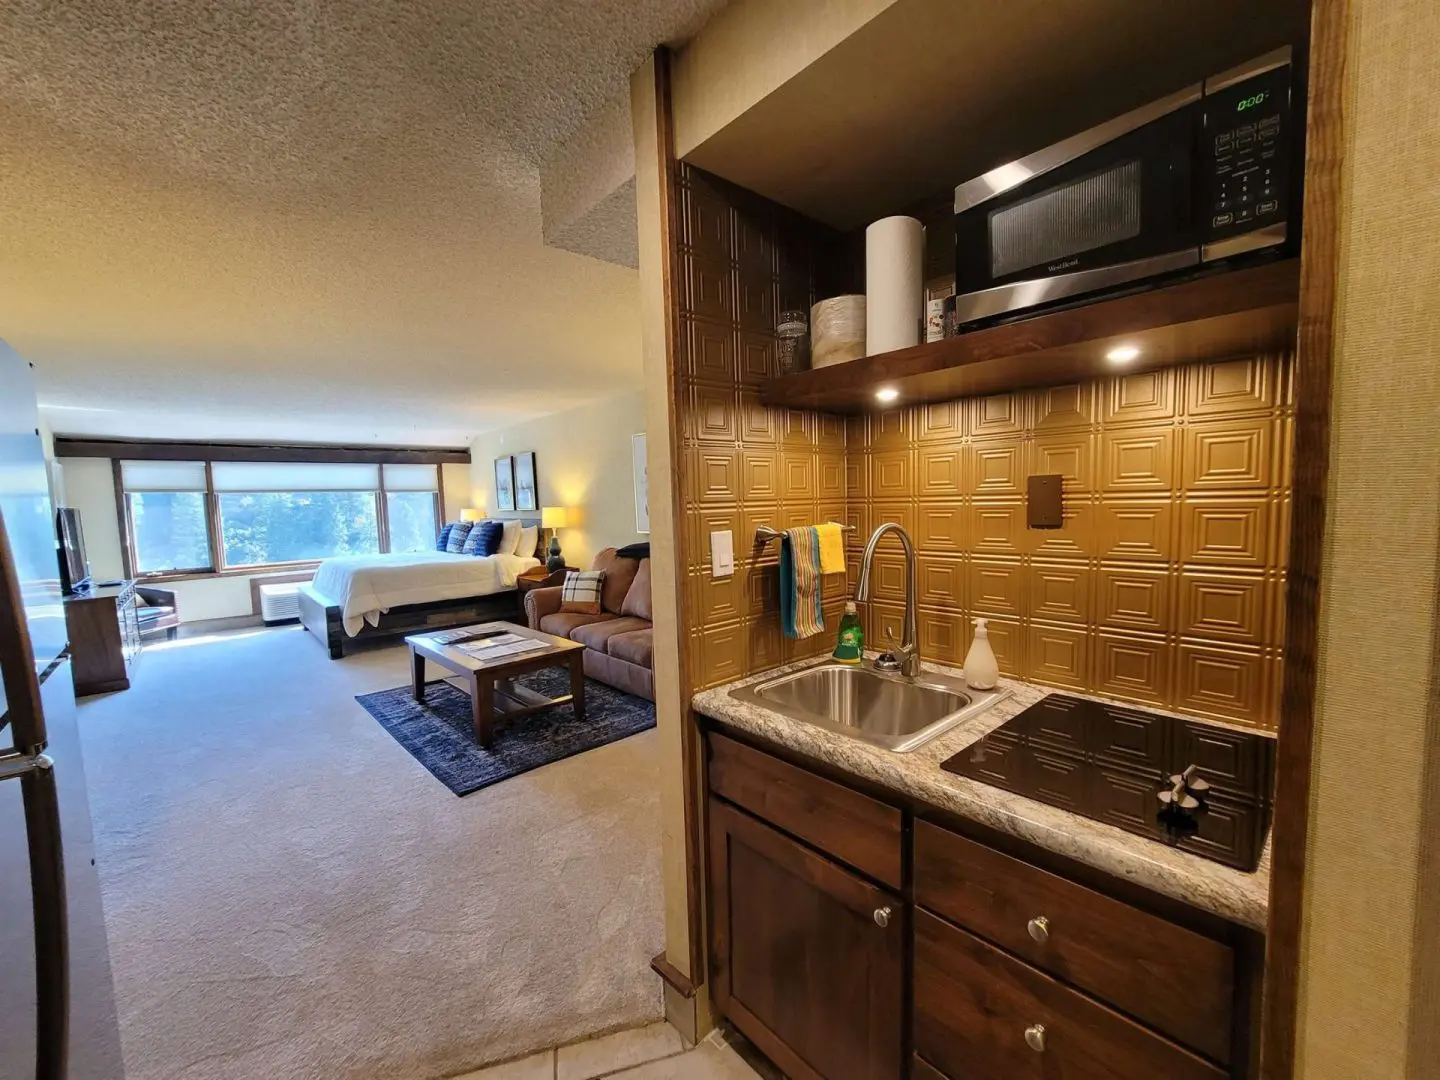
(974, 1006)
(852, 827)
(1168, 976)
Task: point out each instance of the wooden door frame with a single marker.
(691, 753)
(1315, 345)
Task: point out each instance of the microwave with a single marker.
(1205, 178)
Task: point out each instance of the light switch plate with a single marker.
(722, 553)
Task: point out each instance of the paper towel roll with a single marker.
(894, 284)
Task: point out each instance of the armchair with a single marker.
(156, 610)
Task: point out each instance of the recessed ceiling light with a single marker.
(1122, 354)
(887, 394)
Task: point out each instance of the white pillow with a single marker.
(529, 537)
(510, 538)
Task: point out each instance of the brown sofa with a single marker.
(619, 642)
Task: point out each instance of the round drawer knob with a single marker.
(1039, 928)
(1035, 1037)
(882, 916)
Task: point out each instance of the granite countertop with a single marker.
(1233, 894)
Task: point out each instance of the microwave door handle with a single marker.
(23, 709)
(36, 774)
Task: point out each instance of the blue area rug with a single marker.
(441, 735)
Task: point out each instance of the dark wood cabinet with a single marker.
(847, 826)
(1172, 978)
(995, 961)
(981, 1013)
(808, 957)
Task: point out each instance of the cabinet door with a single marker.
(807, 957)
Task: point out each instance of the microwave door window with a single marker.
(1051, 229)
(1128, 201)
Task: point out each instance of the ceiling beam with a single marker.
(165, 450)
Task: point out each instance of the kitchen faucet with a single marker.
(906, 658)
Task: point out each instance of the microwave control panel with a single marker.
(1248, 141)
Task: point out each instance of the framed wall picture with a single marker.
(505, 483)
(527, 485)
(642, 483)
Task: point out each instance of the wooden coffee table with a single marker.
(493, 691)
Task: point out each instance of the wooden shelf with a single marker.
(1239, 313)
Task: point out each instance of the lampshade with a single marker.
(470, 513)
(553, 517)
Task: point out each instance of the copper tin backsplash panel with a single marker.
(1111, 763)
(740, 261)
(1165, 583)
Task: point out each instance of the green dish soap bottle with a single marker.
(850, 642)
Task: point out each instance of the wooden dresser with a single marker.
(104, 637)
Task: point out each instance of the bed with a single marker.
(360, 597)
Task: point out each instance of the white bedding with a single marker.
(365, 586)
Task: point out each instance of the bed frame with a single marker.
(324, 619)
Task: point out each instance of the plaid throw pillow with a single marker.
(581, 592)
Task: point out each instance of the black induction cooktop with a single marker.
(1197, 786)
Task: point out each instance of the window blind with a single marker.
(163, 475)
(410, 478)
(294, 476)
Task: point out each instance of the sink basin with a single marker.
(879, 707)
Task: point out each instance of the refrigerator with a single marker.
(57, 1003)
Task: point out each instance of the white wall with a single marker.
(90, 488)
(583, 460)
(456, 481)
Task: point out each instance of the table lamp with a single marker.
(471, 513)
(553, 518)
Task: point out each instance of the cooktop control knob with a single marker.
(1187, 789)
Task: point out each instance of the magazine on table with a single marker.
(501, 645)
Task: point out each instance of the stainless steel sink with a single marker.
(880, 707)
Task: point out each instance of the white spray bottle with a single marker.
(981, 670)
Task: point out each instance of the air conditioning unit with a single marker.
(280, 603)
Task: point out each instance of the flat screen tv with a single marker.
(74, 566)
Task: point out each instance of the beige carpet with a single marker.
(290, 895)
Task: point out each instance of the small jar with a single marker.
(793, 348)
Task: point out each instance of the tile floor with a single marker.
(649, 1053)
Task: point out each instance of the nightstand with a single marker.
(540, 578)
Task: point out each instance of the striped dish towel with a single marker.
(800, 615)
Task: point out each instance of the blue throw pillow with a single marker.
(443, 537)
(455, 542)
(484, 538)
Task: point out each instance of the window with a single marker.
(283, 512)
(411, 516)
(170, 531)
(412, 510)
(169, 528)
(263, 527)
(190, 516)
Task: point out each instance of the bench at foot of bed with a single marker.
(323, 619)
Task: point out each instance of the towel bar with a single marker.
(764, 533)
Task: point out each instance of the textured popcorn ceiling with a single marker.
(308, 220)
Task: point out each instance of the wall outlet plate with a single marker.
(1044, 504)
